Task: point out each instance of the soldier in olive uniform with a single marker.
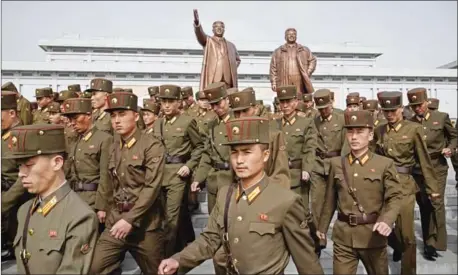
(407, 112)
(310, 110)
(100, 89)
(23, 105)
(300, 108)
(76, 88)
(57, 230)
(365, 189)
(361, 100)
(257, 230)
(66, 94)
(44, 97)
(262, 111)
(371, 105)
(88, 157)
(150, 112)
(353, 102)
(336, 110)
(301, 142)
(184, 145)
(455, 160)
(135, 223)
(153, 91)
(191, 108)
(433, 104)
(441, 140)
(402, 141)
(204, 113)
(330, 143)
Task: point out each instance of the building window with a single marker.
(452, 79)
(318, 79)
(256, 77)
(156, 76)
(152, 52)
(79, 50)
(139, 76)
(102, 51)
(381, 79)
(174, 52)
(396, 79)
(438, 80)
(27, 74)
(99, 75)
(409, 79)
(128, 51)
(7, 74)
(64, 75)
(425, 80)
(173, 76)
(190, 77)
(262, 54)
(367, 79)
(352, 78)
(81, 75)
(45, 74)
(336, 79)
(59, 50)
(244, 53)
(121, 76)
(242, 76)
(195, 52)
(325, 55)
(347, 56)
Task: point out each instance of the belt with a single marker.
(326, 155)
(435, 155)
(222, 166)
(85, 186)
(295, 164)
(124, 206)
(176, 159)
(354, 220)
(404, 170)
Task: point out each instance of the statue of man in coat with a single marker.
(221, 58)
(292, 64)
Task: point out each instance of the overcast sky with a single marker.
(410, 34)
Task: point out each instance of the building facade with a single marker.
(138, 64)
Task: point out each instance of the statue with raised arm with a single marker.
(292, 64)
(221, 58)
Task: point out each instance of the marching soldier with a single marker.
(407, 112)
(330, 143)
(54, 113)
(100, 89)
(440, 140)
(183, 145)
(140, 122)
(88, 158)
(361, 101)
(150, 112)
(365, 189)
(300, 133)
(353, 101)
(277, 107)
(402, 141)
(44, 98)
(24, 108)
(372, 106)
(75, 88)
(153, 91)
(262, 111)
(310, 110)
(337, 110)
(455, 160)
(66, 94)
(300, 108)
(433, 104)
(190, 106)
(257, 230)
(135, 223)
(204, 113)
(57, 231)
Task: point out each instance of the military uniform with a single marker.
(57, 233)
(433, 104)
(455, 160)
(75, 88)
(150, 105)
(262, 231)
(190, 110)
(88, 169)
(310, 112)
(372, 106)
(364, 190)
(301, 144)
(66, 94)
(439, 134)
(184, 145)
(24, 108)
(136, 172)
(101, 118)
(403, 143)
(352, 99)
(204, 117)
(41, 115)
(336, 110)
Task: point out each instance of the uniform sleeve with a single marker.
(298, 240)
(26, 113)
(206, 245)
(422, 156)
(392, 195)
(80, 245)
(154, 164)
(205, 163)
(309, 147)
(450, 133)
(105, 188)
(11, 197)
(197, 143)
(278, 168)
(330, 202)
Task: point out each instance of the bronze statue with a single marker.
(292, 64)
(221, 58)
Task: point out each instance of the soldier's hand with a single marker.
(434, 196)
(274, 88)
(120, 229)
(168, 266)
(382, 228)
(195, 186)
(101, 215)
(184, 171)
(196, 18)
(320, 235)
(447, 152)
(305, 176)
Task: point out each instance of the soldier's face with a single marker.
(420, 109)
(353, 107)
(39, 173)
(218, 29)
(149, 117)
(55, 118)
(248, 160)
(393, 116)
(246, 113)
(80, 123)
(291, 36)
(44, 101)
(308, 104)
(325, 112)
(170, 106)
(8, 117)
(359, 138)
(288, 106)
(221, 108)
(203, 103)
(124, 122)
(98, 99)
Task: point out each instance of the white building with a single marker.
(139, 64)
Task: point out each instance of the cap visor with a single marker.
(390, 109)
(240, 108)
(109, 110)
(415, 103)
(359, 126)
(322, 107)
(250, 141)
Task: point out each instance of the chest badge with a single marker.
(298, 130)
(134, 157)
(435, 123)
(372, 170)
(52, 233)
(404, 137)
(179, 129)
(91, 146)
(263, 217)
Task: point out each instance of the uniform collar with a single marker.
(395, 127)
(225, 119)
(150, 130)
(44, 206)
(285, 121)
(89, 134)
(426, 116)
(253, 192)
(361, 160)
(7, 133)
(376, 122)
(101, 115)
(170, 121)
(131, 140)
(328, 119)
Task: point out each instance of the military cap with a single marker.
(66, 94)
(286, 92)
(170, 92)
(54, 107)
(34, 140)
(39, 93)
(390, 101)
(307, 97)
(433, 103)
(370, 105)
(242, 100)
(9, 86)
(74, 88)
(362, 99)
(122, 101)
(153, 90)
(87, 94)
(301, 106)
(200, 95)
(352, 98)
(322, 98)
(128, 90)
(360, 119)
(417, 96)
(9, 100)
(101, 85)
(73, 106)
(186, 91)
(117, 90)
(150, 105)
(215, 92)
(232, 90)
(55, 96)
(247, 130)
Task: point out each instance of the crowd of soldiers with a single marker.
(89, 175)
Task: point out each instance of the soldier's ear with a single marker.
(265, 155)
(371, 135)
(137, 116)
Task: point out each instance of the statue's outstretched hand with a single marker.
(196, 17)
